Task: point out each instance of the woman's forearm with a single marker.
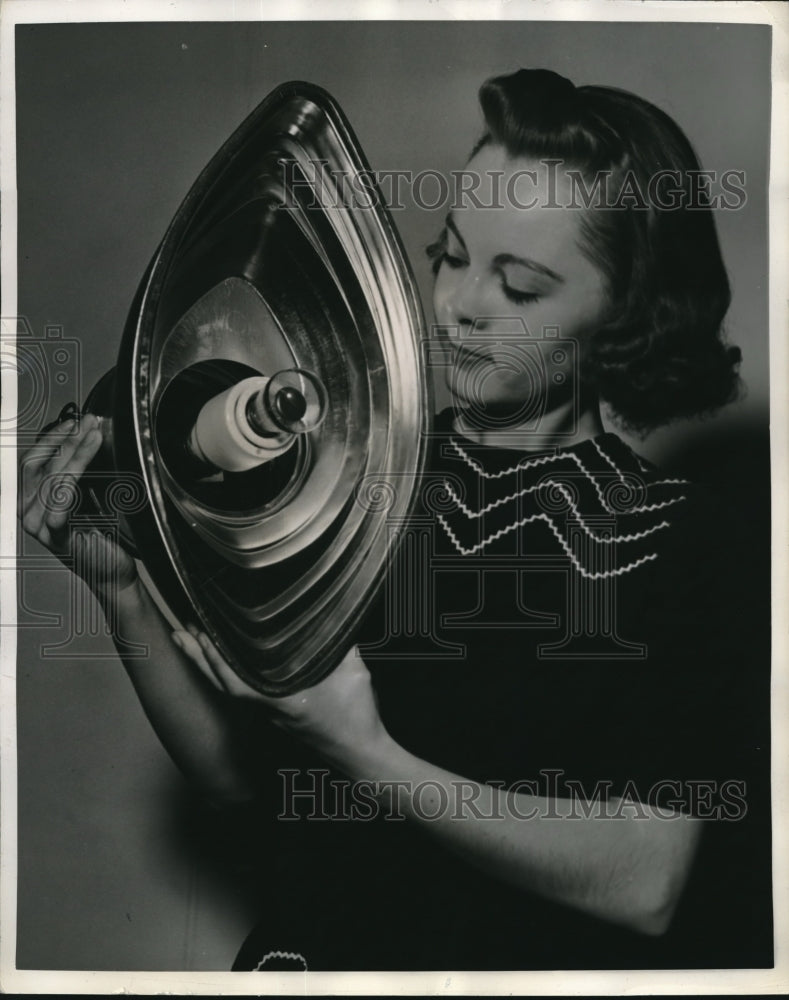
(194, 721)
(629, 870)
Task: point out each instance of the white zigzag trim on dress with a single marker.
(610, 461)
(594, 483)
(526, 464)
(551, 458)
(598, 575)
(642, 467)
(281, 954)
(648, 508)
(531, 463)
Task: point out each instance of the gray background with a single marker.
(113, 124)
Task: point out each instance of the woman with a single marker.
(530, 775)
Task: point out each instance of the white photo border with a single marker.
(774, 981)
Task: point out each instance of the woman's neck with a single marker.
(562, 425)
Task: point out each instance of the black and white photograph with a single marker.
(391, 498)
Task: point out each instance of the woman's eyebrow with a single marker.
(507, 258)
(452, 227)
(500, 260)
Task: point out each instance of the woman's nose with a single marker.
(468, 305)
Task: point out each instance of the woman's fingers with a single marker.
(75, 444)
(48, 444)
(62, 495)
(49, 475)
(223, 672)
(34, 468)
(198, 648)
(225, 676)
(189, 645)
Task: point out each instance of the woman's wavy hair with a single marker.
(660, 355)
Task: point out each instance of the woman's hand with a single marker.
(49, 479)
(338, 716)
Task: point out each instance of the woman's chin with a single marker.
(493, 415)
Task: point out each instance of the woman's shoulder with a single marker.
(708, 580)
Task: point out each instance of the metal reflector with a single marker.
(269, 386)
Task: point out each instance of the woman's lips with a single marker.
(464, 355)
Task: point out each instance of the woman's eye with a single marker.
(520, 297)
(452, 261)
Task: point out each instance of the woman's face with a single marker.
(515, 297)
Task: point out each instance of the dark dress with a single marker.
(575, 620)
